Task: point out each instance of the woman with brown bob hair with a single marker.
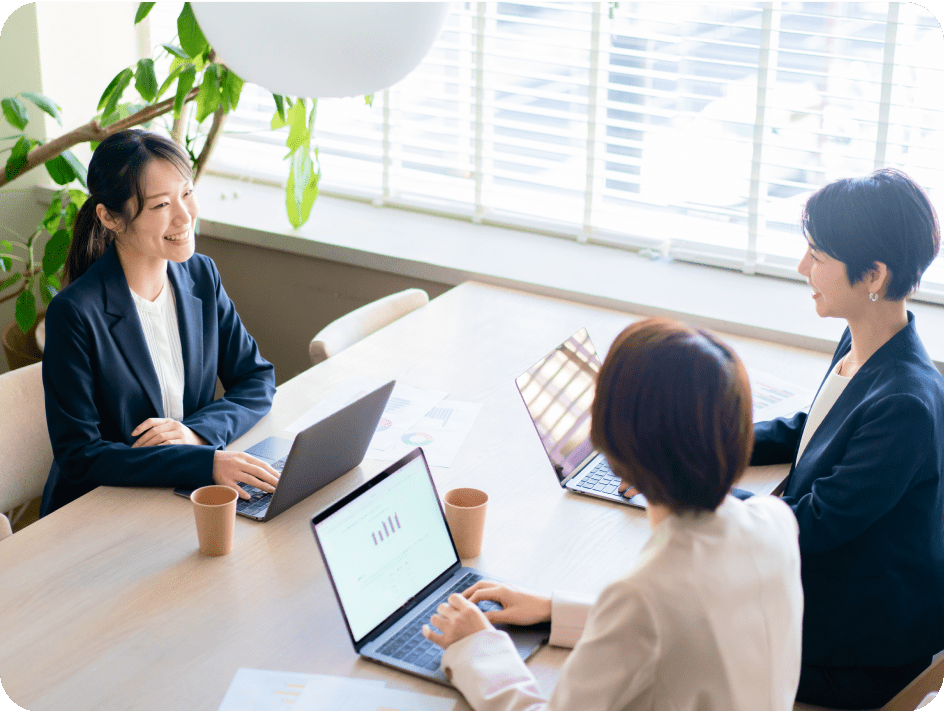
(710, 615)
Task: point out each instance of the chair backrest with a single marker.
(5, 529)
(25, 451)
(362, 322)
(912, 695)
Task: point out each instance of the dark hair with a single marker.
(115, 176)
(883, 217)
(673, 415)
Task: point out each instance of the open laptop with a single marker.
(318, 455)
(391, 560)
(558, 392)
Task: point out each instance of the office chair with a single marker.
(25, 451)
(360, 323)
(909, 698)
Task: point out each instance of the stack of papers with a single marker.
(413, 418)
(260, 690)
(773, 397)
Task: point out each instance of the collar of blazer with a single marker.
(875, 378)
(129, 335)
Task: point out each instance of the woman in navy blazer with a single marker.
(106, 386)
(867, 482)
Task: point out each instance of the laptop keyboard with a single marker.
(258, 500)
(600, 479)
(409, 645)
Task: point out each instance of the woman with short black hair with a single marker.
(867, 477)
(709, 617)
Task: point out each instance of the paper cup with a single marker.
(465, 514)
(214, 508)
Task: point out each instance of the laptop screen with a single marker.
(385, 545)
(558, 392)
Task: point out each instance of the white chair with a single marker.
(360, 323)
(25, 451)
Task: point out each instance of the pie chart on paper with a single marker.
(417, 439)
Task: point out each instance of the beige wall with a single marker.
(285, 299)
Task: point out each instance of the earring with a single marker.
(873, 297)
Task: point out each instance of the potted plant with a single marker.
(194, 77)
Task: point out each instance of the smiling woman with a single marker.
(867, 482)
(136, 341)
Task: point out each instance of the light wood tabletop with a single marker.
(107, 603)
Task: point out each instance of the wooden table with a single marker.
(107, 604)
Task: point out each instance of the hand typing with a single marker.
(519, 607)
(457, 618)
(231, 468)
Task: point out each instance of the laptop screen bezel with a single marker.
(394, 616)
(562, 480)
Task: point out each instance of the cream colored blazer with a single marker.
(709, 619)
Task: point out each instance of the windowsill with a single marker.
(451, 251)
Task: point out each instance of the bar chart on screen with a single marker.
(390, 524)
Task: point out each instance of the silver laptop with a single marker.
(317, 456)
(558, 392)
(392, 561)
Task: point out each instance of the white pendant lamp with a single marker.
(321, 49)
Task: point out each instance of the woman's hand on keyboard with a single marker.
(519, 607)
(627, 490)
(231, 468)
(457, 618)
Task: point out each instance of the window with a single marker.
(695, 130)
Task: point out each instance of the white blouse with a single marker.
(828, 394)
(159, 321)
(710, 618)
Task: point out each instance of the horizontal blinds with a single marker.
(694, 129)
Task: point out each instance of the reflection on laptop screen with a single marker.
(559, 394)
(385, 546)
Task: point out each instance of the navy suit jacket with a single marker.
(100, 381)
(868, 494)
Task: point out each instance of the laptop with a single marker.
(317, 456)
(558, 393)
(391, 561)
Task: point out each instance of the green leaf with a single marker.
(110, 88)
(44, 103)
(175, 50)
(60, 170)
(11, 281)
(369, 99)
(169, 80)
(80, 170)
(68, 221)
(17, 157)
(311, 116)
(26, 310)
(184, 84)
(188, 31)
(143, 9)
(298, 135)
(232, 88)
(280, 107)
(57, 249)
(77, 198)
(145, 80)
(278, 118)
(53, 215)
(6, 245)
(208, 98)
(14, 111)
(124, 79)
(301, 191)
(47, 290)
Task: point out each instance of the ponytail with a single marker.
(90, 239)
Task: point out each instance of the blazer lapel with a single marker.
(190, 323)
(127, 330)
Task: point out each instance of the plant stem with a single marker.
(93, 131)
(219, 117)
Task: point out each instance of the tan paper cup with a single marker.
(214, 508)
(465, 514)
